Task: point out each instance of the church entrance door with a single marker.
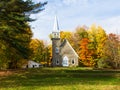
(65, 61)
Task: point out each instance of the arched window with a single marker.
(73, 61)
(65, 61)
(57, 62)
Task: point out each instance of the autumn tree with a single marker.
(66, 35)
(41, 52)
(49, 54)
(71, 37)
(37, 46)
(97, 37)
(82, 41)
(112, 50)
(85, 53)
(15, 33)
(78, 35)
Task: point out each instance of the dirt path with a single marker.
(10, 72)
(5, 73)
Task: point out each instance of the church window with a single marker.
(33, 66)
(65, 61)
(73, 61)
(57, 50)
(57, 61)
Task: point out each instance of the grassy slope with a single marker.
(61, 79)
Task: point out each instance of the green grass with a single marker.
(61, 79)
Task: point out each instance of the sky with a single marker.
(74, 13)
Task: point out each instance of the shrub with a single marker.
(104, 62)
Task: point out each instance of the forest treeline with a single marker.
(94, 46)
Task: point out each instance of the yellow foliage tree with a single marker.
(97, 37)
(41, 52)
(37, 46)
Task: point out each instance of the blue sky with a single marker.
(73, 13)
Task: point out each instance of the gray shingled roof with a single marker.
(66, 41)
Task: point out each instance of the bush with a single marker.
(104, 62)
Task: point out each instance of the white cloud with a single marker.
(74, 2)
(68, 2)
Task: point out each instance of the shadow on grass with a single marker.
(61, 76)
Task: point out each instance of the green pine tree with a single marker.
(15, 32)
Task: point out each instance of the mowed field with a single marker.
(60, 79)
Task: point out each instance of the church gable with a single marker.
(67, 48)
(69, 52)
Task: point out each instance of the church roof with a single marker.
(63, 43)
(67, 42)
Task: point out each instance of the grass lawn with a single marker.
(61, 79)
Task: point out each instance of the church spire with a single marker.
(56, 26)
(56, 32)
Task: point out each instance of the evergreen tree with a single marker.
(15, 33)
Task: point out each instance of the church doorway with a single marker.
(65, 61)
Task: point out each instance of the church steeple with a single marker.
(56, 32)
(55, 43)
(56, 26)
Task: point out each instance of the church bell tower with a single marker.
(55, 44)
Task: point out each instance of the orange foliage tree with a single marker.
(85, 53)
